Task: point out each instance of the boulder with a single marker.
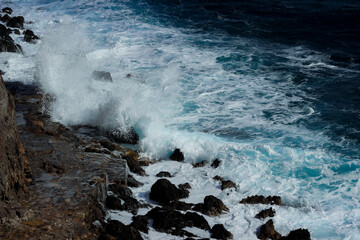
(218, 231)
(121, 231)
(163, 174)
(273, 200)
(121, 191)
(298, 234)
(265, 213)
(212, 206)
(199, 164)
(177, 155)
(7, 10)
(16, 22)
(184, 186)
(267, 231)
(6, 18)
(140, 223)
(30, 37)
(218, 178)
(228, 184)
(163, 191)
(215, 163)
(101, 76)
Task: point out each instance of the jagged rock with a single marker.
(15, 172)
(163, 174)
(7, 44)
(131, 158)
(212, 206)
(298, 234)
(267, 231)
(261, 199)
(140, 223)
(7, 10)
(215, 163)
(121, 231)
(173, 221)
(132, 182)
(115, 135)
(122, 192)
(228, 184)
(200, 164)
(6, 18)
(30, 37)
(108, 144)
(129, 204)
(101, 76)
(184, 186)
(16, 22)
(218, 178)
(265, 213)
(218, 231)
(163, 191)
(112, 202)
(177, 155)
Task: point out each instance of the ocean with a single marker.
(272, 88)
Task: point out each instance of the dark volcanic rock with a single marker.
(108, 144)
(121, 191)
(228, 184)
(132, 161)
(178, 205)
(141, 223)
(164, 174)
(184, 186)
(7, 44)
(6, 18)
(15, 172)
(177, 155)
(261, 199)
(265, 213)
(132, 182)
(16, 22)
(215, 163)
(218, 231)
(7, 10)
(30, 37)
(199, 164)
(298, 234)
(101, 76)
(163, 191)
(112, 202)
(218, 178)
(267, 231)
(115, 135)
(121, 231)
(212, 206)
(130, 204)
(173, 221)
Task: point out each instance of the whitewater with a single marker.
(208, 93)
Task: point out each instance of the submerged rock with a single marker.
(261, 199)
(199, 164)
(227, 184)
(30, 37)
(163, 191)
(212, 206)
(218, 231)
(177, 155)
(267, 231)
(265, 213)
(101, 76)
(215, 163)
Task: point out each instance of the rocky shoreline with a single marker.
(61, 182)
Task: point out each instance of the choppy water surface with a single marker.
(272, 88)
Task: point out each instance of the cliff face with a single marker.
(14, 167)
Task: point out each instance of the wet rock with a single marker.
(140, 223)
(163, 174)
(215, 163)
(177, 155)
(212, 206)
(4, 30)
(115, 135)
(173, 221)
(218, 178)
(265, 213)
(95, 149)
(184, 186)
(132, 161)
(228, 184)
(108, 144)
(178, 205)
(101, 76)
(267, 231)
(121, 231)
(16, 31)
(30, 37)
(7, 44)
(120, 191)
(6, 18)
(112, 202)
(117, 171)
(163, 191)
(298, 234)
(132, 182)
(200, 164)
(218, 231)
(16, 22)
(273, 200)
(7, 10)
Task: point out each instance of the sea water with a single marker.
(270, 88)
